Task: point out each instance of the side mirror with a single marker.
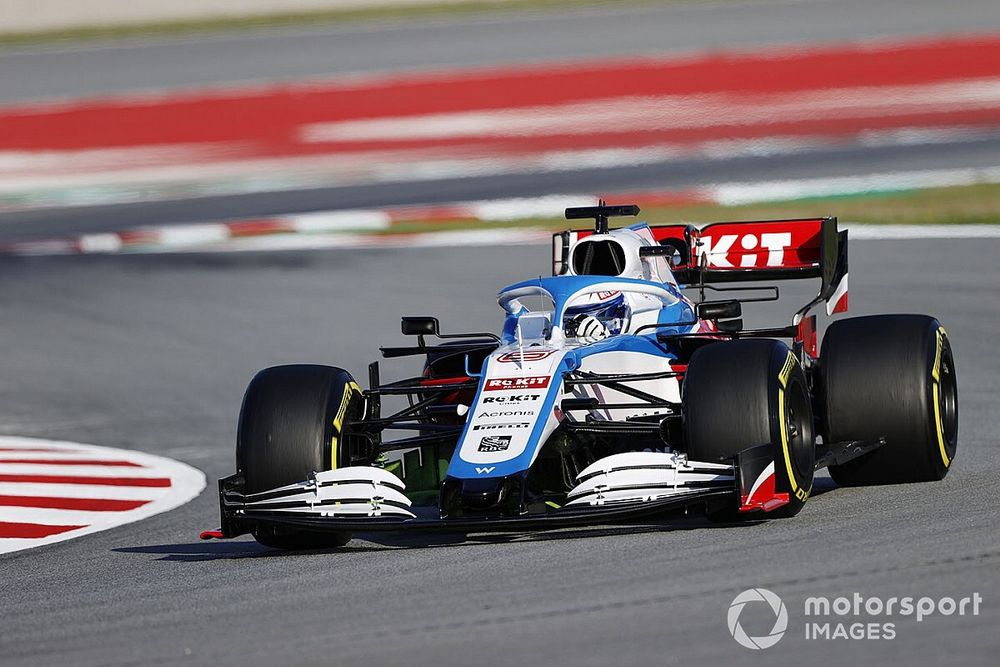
(677, 254)
(719, 310)
(420, 326)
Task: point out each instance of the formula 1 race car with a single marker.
(609, 395)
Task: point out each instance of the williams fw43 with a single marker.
(614, 390)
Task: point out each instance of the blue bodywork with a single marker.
(561, 288)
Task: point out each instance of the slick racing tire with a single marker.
(291, 425)
(891, 377)
(741, 394)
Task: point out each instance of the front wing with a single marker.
(620, 488)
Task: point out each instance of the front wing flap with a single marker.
(561, 518)
(620, 488)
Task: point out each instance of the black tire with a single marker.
(892, 377)
(741, 394)
(291, 425)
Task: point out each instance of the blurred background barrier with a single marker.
(696, 110)
(38, 15)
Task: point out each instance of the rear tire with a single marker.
(290, 426)
(892, 377)
(740, 394)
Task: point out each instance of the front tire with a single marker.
(740, 394)
(291, 424)
(891, 377)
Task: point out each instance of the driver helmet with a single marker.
(609, 308)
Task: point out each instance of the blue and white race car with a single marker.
(615, 390)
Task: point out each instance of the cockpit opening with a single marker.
(598, 257)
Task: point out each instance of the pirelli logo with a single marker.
(506, 384)
(500, 427)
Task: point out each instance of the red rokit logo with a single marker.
(773, 244)
(501, 384)
(725, 252)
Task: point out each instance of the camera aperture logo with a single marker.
(858, 617)
(743, 602)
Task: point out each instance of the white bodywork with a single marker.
(655, 269)
(522, 389)
(646, 477)
(518, 387)
(356, 491)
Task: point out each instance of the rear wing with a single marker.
(746, 252)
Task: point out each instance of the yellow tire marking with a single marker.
(786, 370)
(338, 421)
(784, 439)
(936, 389)
(786, 373)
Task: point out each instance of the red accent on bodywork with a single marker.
(841, 305)
(216, 534)
(453, 397)
(680, 369)
(807, 335)
(764, 498)
(761, 245)
(434, 382)
(779, 500)
(518, 383)
(708, 326)
(525, 356)
(764, 245)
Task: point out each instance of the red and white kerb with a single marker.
(53, 491)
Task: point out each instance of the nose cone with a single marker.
(492, 496)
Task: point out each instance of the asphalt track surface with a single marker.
(153, 353)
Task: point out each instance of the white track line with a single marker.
(60, 517)
(469, 238)
(82, 491)
(353, 228)
(97, 471)
(734, 194)
(907, 232)
(91, 184)
(43, 454)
